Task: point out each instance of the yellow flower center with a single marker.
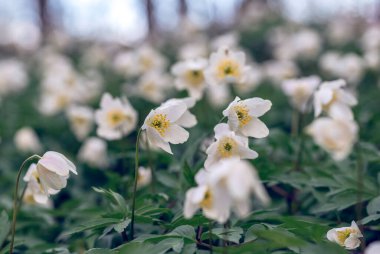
(146, 62)
(79, 120)
(194, 77)
(332, 101)
(228, 68)
(29, 199)
(227, 147)
(242, 113)
(343, 235)
(116, 117)
(207, 200)
(160, 123)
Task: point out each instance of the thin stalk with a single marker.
(135, 185)
(16, 207)
(210, 235)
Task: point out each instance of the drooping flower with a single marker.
(226, 185)
(347, 237)
(163, 125)
(336, 136)
(94, 152)
(334, 100)
(144, 177)
(226, 66)
(243, 116)
(190, 76)
(34, 192)
(53, 170)
(228, 144)
(81, 120)
(115, 118)
(26, 140)
(300, 90)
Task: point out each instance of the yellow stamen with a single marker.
(228, 68)
(227, 147)
(242, 113)
(194, 77)
(160, 123)
(207, 200)
(116, 117)
(343, 235)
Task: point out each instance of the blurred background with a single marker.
(26, 22)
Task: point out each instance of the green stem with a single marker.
(15, 199)
(210, 235)
(135, 185)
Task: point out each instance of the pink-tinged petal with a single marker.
(60, 159)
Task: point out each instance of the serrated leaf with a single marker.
(91, 224)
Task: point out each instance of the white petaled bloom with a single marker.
(81, 120)
(144, 176)
(243, 117)
(115, 118)
(336, 136)
(347, 237)
(278, 71)
(334, 100)
(225, 186)
(34, 192)
(164, 125)
(53, 170)
(94, 152)
(228, 144)
(300, 91)
(189, 76)
(226, 66)
(251, 82)
(13, 76)
(149, 59)
(153, 86)
(373, 248)
(26, 140)
(230, 40)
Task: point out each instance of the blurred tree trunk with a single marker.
(149, 7)
(182, 8)
(44, 16)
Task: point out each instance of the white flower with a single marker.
(26, 140)
(218, 95)
(149, 59)
(347, 237)
(144, 176)
(243, 116)
(371, 38)
(193, 50)
(278, 71)
(228, 144)
(336, 136)
(163, 125)
(13, 76)
(373, 248)
(334, 100)
(226, 66)
(153, 86)
(251, 82)
(300, 90)
(34, 192)
(94, 152)
(53, 170)
(230, 40)
(81, 120)
(225, 186)
(115, 118)
(189, 76)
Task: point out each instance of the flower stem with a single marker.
(132, 228)
(210, 235)
(16, 207)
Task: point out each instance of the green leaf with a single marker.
(188, 174)
(373, 206)
(92, 224)
(100, 251)
(369, 218)
(5, 226)
(115, 198)
(228, 234)
(120, 227)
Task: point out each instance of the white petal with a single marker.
(255, 128)
(221, 130)
(257, 106)
(156, 140)
(340, 111)
(173, 111)
(176, 134)
(187, 120)
(332, 235)
(352, 242)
